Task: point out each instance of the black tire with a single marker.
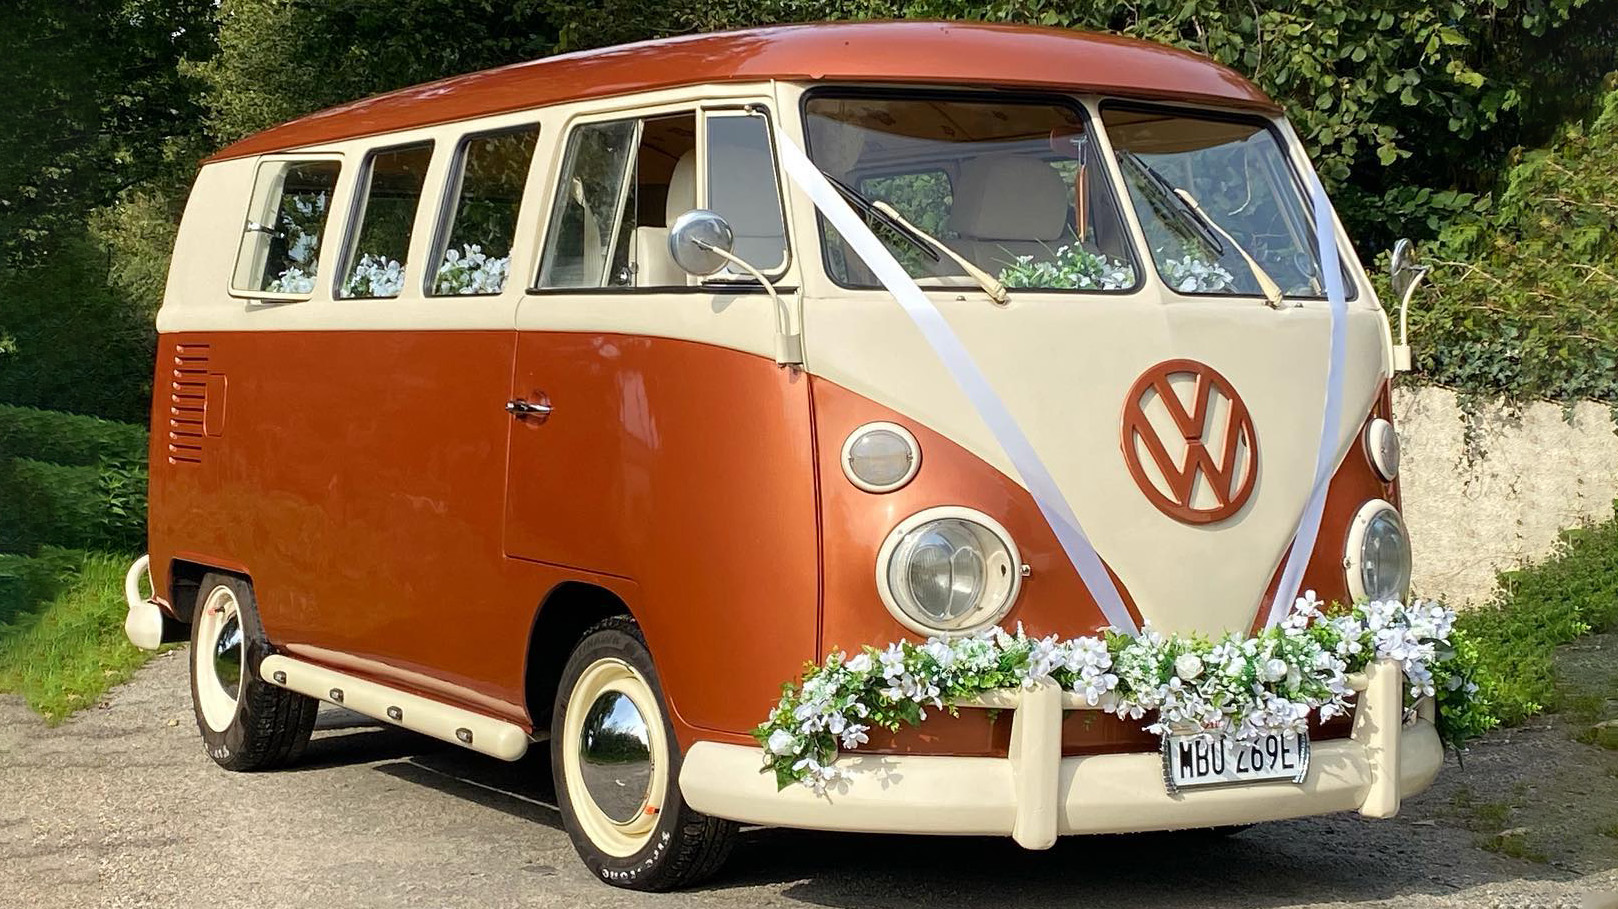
(685, 846)
(269, 726)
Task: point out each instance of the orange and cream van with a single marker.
(584, 401)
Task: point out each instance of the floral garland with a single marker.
(1242, 687)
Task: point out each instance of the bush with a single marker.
(26, 582)
(102, 507)
(1524, 300)
(1538, 609)
(71, 439)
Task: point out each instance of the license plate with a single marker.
(1214, 760)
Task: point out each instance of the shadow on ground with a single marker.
(1341, 858)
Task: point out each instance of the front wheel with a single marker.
(617, 768)
(246, 723)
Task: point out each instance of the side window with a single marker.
(474, 256)
(742, 188)
(588, 216)
(280, 249)
(386, 216)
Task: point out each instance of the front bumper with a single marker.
(1035, 795)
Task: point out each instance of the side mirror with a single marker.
(1402, 268)
(700, 241)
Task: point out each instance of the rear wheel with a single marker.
(246, 723)
(617, 768)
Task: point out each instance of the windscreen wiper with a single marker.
(1207, 229)
(897, 225)
(1189, 215)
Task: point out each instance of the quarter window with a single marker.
(475, 256)
(742, 188)
(387, 216)
(280, 251)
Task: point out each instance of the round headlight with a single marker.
(947, 570)
(1382, 447)
(1378, 556)
(880, 457)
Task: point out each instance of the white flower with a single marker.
(854, 736)
(783, 743)
(1275, 670)
(1188, 666)
(860, 664)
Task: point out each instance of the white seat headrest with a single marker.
(1009, 197)
(682, 188)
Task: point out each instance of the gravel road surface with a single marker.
(120, 807)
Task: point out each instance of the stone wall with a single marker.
(1497, 501)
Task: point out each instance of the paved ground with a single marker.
(120, 807)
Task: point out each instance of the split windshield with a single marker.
(1021, 188)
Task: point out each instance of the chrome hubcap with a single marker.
(227, 656)
(615, 757)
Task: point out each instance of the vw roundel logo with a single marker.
(1189, 442)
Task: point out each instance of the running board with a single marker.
(486, 735)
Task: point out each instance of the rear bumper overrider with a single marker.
(1034, 794)
(144, 623)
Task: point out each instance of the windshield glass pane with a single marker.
(1244, 191)
(1014, 186)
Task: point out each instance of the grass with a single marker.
(69, 648)
(1540, 608)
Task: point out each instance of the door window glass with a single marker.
(475, 256)
(742, 188)
(280, 250)
(386, 218)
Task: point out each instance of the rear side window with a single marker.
(385, 217)
(475, 254)
(280, 251)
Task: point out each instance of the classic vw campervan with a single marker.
(584, 401)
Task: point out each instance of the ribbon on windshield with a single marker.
(964, 370)
(1303, 540)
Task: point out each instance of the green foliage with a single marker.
(95, 102)
(1540, 608)
(82, 507)
(78, 344)
(280, 59)
(65, 438)
(27, 582)
(69, 480)
(1524, 299)
(67, 647)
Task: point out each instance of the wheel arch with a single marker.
(569, 610)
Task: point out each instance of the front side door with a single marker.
(653, 437)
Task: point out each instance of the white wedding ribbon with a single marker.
(964, 370)
(1303, 541)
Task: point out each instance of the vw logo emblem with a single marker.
(1189, 442)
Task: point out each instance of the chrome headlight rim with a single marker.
(984, 614)
(1354, 549)
(1382, 449)
(846, 457)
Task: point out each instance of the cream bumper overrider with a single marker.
(1034, 794)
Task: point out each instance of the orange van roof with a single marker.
(957, 53)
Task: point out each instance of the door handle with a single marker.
(519, 408)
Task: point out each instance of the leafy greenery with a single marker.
(1524, 301)
(68, 647)
(1540, 608)
(64, 438)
